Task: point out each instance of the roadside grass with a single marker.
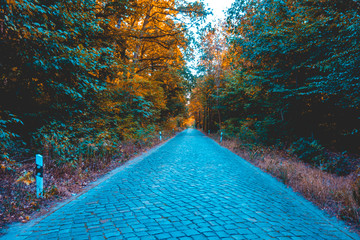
(338, 195)
(18, 202)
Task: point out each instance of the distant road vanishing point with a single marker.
(188, 188)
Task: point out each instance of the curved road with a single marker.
(188, 188)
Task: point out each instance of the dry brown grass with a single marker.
(337, 195)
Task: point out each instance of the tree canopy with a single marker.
(98, 72)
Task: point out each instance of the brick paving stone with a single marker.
(128, 235)
(203, 229)
(163, 236)
(222, 234)
(148, 237)
(177, 234)
(209, 234)
(95, 237)
(191, 232)
(155, 231)
(239, 237)
(214, 238)
(109, 234)
(188, 188)
(200, 237)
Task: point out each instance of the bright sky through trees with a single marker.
(218, 8)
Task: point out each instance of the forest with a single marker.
(81, 81)
(84, 83)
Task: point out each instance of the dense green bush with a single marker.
(9, 141)
(230, 128)
(269, 130)
(339, 164)
(240, 129)
(309, 151)
(312, 152)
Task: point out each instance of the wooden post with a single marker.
(39, 176)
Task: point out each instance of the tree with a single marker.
(101, 71)
(292, 72)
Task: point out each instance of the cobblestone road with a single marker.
(189, 188)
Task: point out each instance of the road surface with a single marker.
(188, 188)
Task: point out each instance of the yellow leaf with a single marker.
(27, 178)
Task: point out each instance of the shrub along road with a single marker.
(188, 188)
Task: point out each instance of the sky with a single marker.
(218, 6)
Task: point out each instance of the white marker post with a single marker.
(160, 136)
(39, 176)
(221, 136)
